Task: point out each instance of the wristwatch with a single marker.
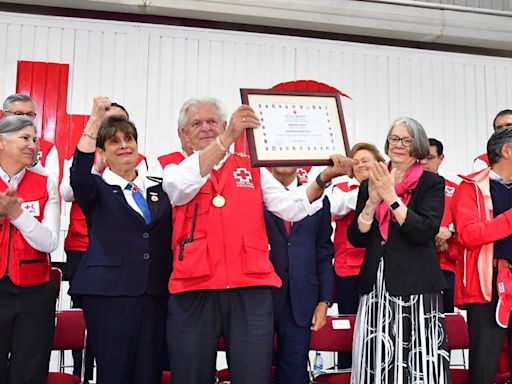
(322, 184)
(451, 228)
(329, 303)
(394, 205)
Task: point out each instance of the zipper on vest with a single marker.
(8, 250)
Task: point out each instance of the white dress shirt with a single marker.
(140, 181)
(183, 181)
(44, 235)
(343, 202)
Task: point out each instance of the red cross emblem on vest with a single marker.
(242, 175)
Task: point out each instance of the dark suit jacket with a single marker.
(125, 256)
(303, 261)
(410, 261)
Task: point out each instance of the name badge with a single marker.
(31, 207)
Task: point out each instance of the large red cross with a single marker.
(47, 85)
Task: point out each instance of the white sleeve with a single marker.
(52, 162)
(65, 185)
(44, 235)
(182, 181)
(342, 202)
(291, 205)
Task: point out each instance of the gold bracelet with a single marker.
(89, 135)
(364, 221)
(219, 144)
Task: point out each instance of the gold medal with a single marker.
(218, 201)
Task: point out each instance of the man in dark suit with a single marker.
(302, 254)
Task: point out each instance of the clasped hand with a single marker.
(10, 204)
(381, 184)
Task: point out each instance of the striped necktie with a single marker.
(140, 201)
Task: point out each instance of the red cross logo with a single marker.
(302, 174)
(242, 175)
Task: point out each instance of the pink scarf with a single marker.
(404, 191)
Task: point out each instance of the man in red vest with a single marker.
(222, 276)
(447, 248)
(503, 119)
(46, 160)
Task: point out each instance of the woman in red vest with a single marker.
(29, 227)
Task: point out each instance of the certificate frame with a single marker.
(297, 143)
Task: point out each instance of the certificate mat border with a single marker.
(262, 158)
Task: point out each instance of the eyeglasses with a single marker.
(394, 140)
(431, 157)
(31, 115)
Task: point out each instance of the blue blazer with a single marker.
(125, 256)
(303, 261)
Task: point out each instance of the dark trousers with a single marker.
(27, 322)
(347, 298)
(292, 347)
(448, 292)
(73, 259)
(486, 339)
(197, 319)
(128, 336)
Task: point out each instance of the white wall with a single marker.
(152, 69)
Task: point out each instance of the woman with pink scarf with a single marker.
(400, 330)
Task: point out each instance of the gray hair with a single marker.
(496, 142)
(420, 144)
(11, 124)
(197, 102)
(16, 97)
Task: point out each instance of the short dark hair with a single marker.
(370, 148)
(499, 114)
(113, 124)
(496, 142)
(114, 104)
(436, 143)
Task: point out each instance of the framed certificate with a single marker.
(297, 127)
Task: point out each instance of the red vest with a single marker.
(347, 259)
(26, 265)
(230, 245)
(77, 238)
(448, 258)
(171, 158)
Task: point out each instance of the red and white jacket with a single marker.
(25, 265)
(229, 244)
(477, 230)
(448, 258)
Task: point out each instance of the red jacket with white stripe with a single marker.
(477, 230)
